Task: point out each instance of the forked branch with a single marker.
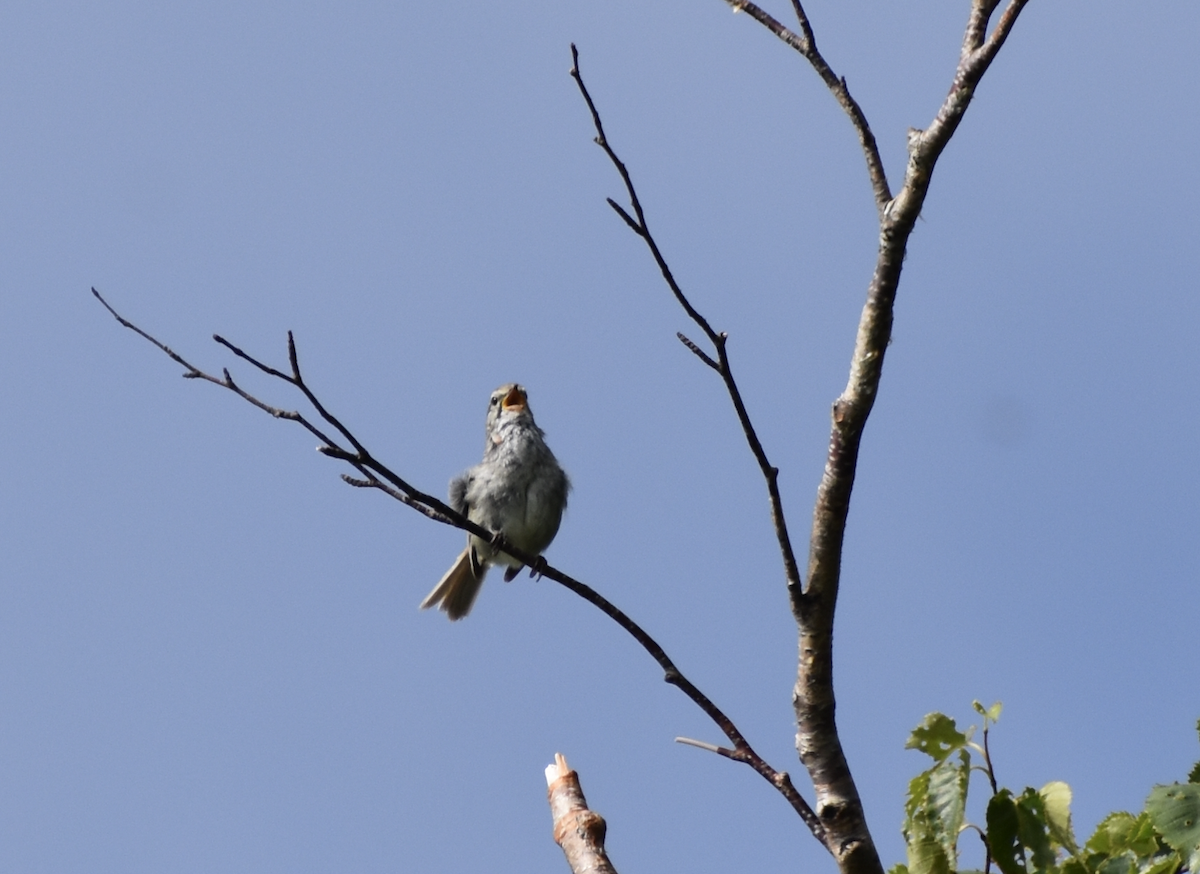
(805, 42)
(817, 740)
(838, 804)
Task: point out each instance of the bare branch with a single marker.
(295, 379)
(721, 362)
(377, 476)
(620, 210)
(638, 224)
(192, 372)
(704, 745)
(817, 741)
(806, 44)
(360, 458)
(742, 751)
(700, 353)
(813, 697)
(976, 32)
(1003, 28)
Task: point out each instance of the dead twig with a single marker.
(578, 829)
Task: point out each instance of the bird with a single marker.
(519, 490)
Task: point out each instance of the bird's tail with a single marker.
(456, 591)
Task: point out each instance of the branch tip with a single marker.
(698, 352)
(620, 210)
(703, 745)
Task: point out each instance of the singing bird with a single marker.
(518, 489)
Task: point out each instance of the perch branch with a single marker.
(377, 476)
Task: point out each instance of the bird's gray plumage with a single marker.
(518, 489)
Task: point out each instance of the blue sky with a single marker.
(210, 653)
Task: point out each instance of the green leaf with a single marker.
(1057, 797)
(1167, 863)
(1143, 842)
(1175, 811)
(1074, 866)
(1002, 830)
(1194, 776)
(937, 736)
(926, 856)
(1123, 832)
(1121, 864)
(1033, 830)
(918, 799)
(934, 810)
(948, 800)
(1112, 834)
(991, 714)
(898, 868)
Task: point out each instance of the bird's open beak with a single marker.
(515, 399)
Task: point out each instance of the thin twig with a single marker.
(699, 353)
(638, 224)
(991, 775)
(374, 474)
(742, 751)
(770, 473)
(987, 760)
(721, 361)
(806, 44)
(360, 457)
(705, 745)
(192, 372)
